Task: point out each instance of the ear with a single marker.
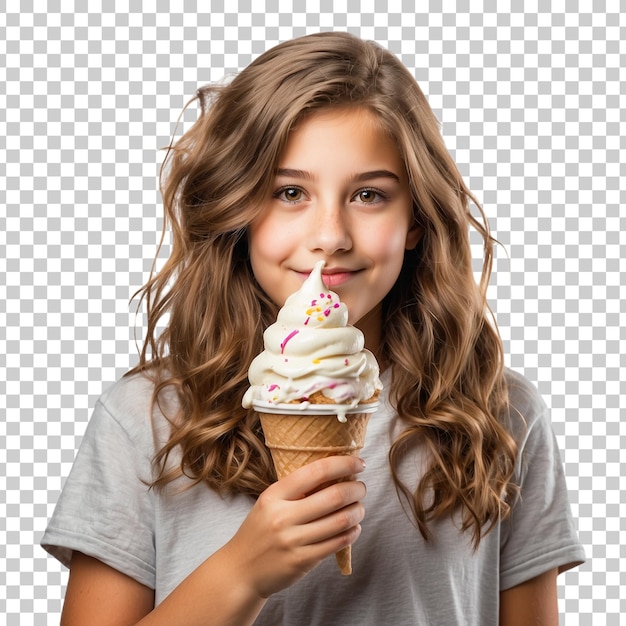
(413, 236)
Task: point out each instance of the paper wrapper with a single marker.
(297, 437)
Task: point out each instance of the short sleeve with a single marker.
(540, 533)
(105, 508)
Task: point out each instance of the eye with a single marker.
(289, 194)
(370, 196)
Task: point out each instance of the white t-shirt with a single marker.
(107, 511)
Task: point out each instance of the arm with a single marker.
(97, 591)
(98, 594)
(533, 603)
(286, 534)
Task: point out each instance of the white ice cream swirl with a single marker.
(312, 348)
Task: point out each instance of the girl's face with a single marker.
(340, 194)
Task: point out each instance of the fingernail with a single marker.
(363, 463)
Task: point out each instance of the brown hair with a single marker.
(445, 353)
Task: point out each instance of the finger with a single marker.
(307, 479)
(323, 503)
(328, 500)
(322, 549)
(332, 525)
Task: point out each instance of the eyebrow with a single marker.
(357, 178)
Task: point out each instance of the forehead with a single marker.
(341, 114)
(335, 133)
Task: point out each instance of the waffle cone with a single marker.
(296, 440)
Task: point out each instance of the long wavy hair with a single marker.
(444, 351)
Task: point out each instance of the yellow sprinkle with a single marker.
(316, 361)
(320, 318)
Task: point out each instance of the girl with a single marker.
(323, 148)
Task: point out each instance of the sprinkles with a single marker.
(324, 307)
(292, 334)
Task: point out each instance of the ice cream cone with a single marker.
(314, 384)
(296, 439)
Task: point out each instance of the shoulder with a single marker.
(130, 393)
(531, 426)
(524, 397)
(527, 408)
(129, 403)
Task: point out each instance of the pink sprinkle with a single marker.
(345, 361)
(329, 296)
(327, 312)
(336, 305)
(272, 387)
(292, 334)
(313, 302)
(306, 321)
(321, 295)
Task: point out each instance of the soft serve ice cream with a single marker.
(312, 355)
(314, 385)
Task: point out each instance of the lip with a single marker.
(336, 277)
(333, 276)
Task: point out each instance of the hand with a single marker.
(297, 522)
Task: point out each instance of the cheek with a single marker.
(269, 247)
(385, 241)
(271, 238)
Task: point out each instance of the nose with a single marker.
(329, 230)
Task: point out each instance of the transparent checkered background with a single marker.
(532, 108)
